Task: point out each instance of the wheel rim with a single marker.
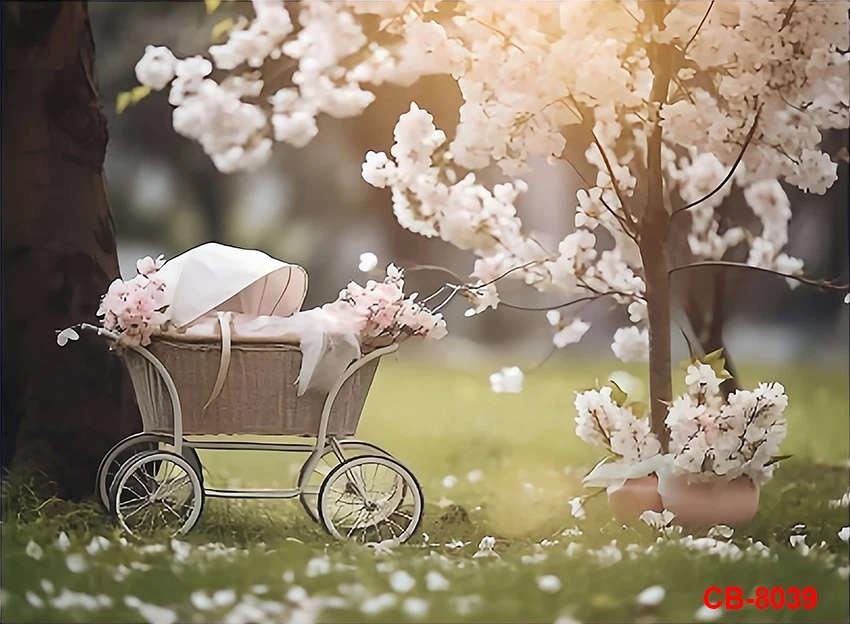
(370, 499)
(312, 483)
(157, 490)
(117, 456)
(128, 448)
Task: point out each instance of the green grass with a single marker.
(441, 422)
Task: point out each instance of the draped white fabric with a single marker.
(215, 277)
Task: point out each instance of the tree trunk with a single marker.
(654, 227)
(61, 408)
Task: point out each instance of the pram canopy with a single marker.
(215, 277)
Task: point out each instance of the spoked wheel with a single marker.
(311, 483)
(370, 499)
(157, 490)
(129, 447)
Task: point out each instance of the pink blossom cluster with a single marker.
(382, 314)
(135, 309)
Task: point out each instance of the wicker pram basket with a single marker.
(258, 396)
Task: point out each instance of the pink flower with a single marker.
(149, 266)
(133, 308)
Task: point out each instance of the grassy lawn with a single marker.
(256, 562)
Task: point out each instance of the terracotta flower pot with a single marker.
(703, 505)
(635, 497)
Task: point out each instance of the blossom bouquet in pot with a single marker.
(721, 450)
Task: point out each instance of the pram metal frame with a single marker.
(322, 445)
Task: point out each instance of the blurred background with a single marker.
(311, 207)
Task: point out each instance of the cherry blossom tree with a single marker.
(672, 102)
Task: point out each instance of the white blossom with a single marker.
(657, 520)
(507, 380)
(651, 596)
(631, 344)
(436, 582)
(577, 508)
(549, 583)
(34, 550)
(401, 581)
(156, 68)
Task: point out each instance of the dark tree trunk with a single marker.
(61, 408)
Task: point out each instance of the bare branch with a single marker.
(628, 216)
(822, 284)
(699, 28)
(747, 141)
(623, 223)
(557, 307)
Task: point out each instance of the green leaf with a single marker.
(617, 395)
(777, 459)
(128, 98)
(222, 27)
(713, 356)
(123, 101)
(212, 5)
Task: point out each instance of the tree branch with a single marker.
(699, 28)
(747, 141)
(628, 216)
(565, 305)
(620, 219)
(822, 284)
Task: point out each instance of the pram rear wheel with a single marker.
(157, 490)
(370, 499)
(128, 448)
(310, 484)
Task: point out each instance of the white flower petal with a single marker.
(201, 601)
(416, 608)
(435, 581)
(76, 563)
(707, 614)
(368, 262)
(474, 476)
(844, 534)
(508, 380)
(378, 604)
(401, 582)
(34, 600)
(63, 543)
(34, 550)
(65, 335)
(651, 596)
(549, 583)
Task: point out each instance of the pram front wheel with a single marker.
(370, 499)
(310, 484)
(157, 490)
(128, 448)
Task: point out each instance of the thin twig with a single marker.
(628, 216)
(619, 218)
(699, 28)
(559, 306)
(823, 284)
(747, 141)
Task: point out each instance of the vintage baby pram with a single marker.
(191, 388)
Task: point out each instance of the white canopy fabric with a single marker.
(215, 277)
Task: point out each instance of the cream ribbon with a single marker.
(224, 319)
